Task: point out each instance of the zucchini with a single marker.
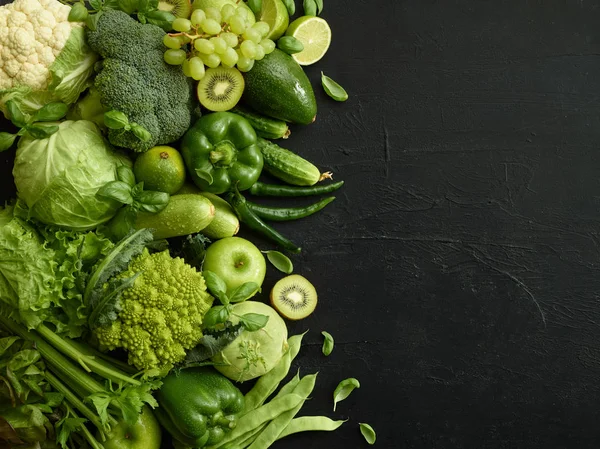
(184, 214)
(267, 127)
(288, 166)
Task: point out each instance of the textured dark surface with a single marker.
(458, 269)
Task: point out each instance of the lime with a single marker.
(275, 14)
(315, 35)
(203, 4)
(160, 168)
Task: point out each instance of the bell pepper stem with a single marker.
(223, 155)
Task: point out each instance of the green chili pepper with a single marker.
(262, 189)
(246, 216)
(287, 213)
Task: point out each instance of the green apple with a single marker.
(236, 261)
(144, 434)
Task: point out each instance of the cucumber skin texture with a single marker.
(288, 166)
(185, 214)
(278, 87)
(266, 127)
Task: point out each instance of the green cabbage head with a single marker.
(58, 177)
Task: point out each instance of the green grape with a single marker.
(237, 24)
(262, 27)
(212, 60)
(186, 68)
(227, 11)
(248, 49)
(184, 40)
(171, 42)
(230, 57)
(181, 24)
(204, 46)
(196, 67)
(230, 38)
(260, 52)
(210, 26)
(197, 17)
(245, 64)
(268, 46)
(213, 13)
(174, 57)
(219, 44)
(252, 34)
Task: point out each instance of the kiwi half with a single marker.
(179, 8)
(294, 297)
(220, 89)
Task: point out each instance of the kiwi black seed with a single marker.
(179, 8)
(221, 88)
(294, 297)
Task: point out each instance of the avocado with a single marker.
(278, 87)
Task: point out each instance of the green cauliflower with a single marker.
(160, 315)
(133, 78)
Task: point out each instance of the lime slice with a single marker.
(275, 14)
(315, 35)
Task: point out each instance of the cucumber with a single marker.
(288, 166)
(266, 127)
(185, 214)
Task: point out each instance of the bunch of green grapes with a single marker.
(211, 38)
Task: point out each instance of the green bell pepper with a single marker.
(198, 406)
(221, 150)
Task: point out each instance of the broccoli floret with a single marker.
(134, 79)
(161, 313)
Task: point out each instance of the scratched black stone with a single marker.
(458, 269)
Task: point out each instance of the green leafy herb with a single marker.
(333, 89)
(66, 426)
(291, 7)
(368, 432)
(125, 174)
(328, 343)
(244, 291)
(255, 6)
(280, 261)
(116, 190)
(253, 321)
(115, 120)
(51, 112)
(15, 114)
(41, 131)
(140, 132)
(213, 342)
(153, 202)
(193, 250)
(310, 8)
(216, 286)
(343, 390)
(78, 13)
(319, 4)
(216, 315)
(6, 140)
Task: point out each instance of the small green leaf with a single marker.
(116, 190)
(52, 111)
(280, 261)
(333, 89)
(368, 432)
(66, 426)
(203, 174)
(115, 119)
(78, 13)
(92, 20)
(215, 315)
(328, 343)
(291, 7)
(290, 45)
(140, 132)
(15, 114)
(137, 189)
(216, 286)
(343, 390)
(253, 321)
(96, 4)
(255, 6)
(6, 140)
(310, 8)
(244, 291)
(319, 4)
(125, 174)
(41, 131)
(151, 201)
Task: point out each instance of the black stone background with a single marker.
(458, 268)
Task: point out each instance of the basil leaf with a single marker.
(137, 189)
(78, 13)
(290, 6)
(96, 4)
(92, 21)
(343, 390)
(202, 174)
(115, 119)
(52, 111)
(310, 8)
(244, 291)
(140, 132)
(15, 114)
(6, 140)
(319, 4)
(255, 5)
(125, 174)
(216, 286)
(151, 201)
(290, 45)
(280, 261)
(116, 190)
(328, 343)
(333, 89)
(367, 432)
(253, 321)
(41, 131)
(216, 315)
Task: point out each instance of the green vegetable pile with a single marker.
(129, 307)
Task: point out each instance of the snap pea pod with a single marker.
(264, 189)
(246, 216)
(288, 213)
(309, 424)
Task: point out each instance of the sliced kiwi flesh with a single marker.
(294, 297)
(179, 8)
(220, 89)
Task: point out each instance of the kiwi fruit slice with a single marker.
(179, 8)
(220, 89)
(294, 297)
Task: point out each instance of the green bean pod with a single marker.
(309, 424)
(263, 189)
(288, 213)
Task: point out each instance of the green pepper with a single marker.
(198, 406)
(221, 150)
